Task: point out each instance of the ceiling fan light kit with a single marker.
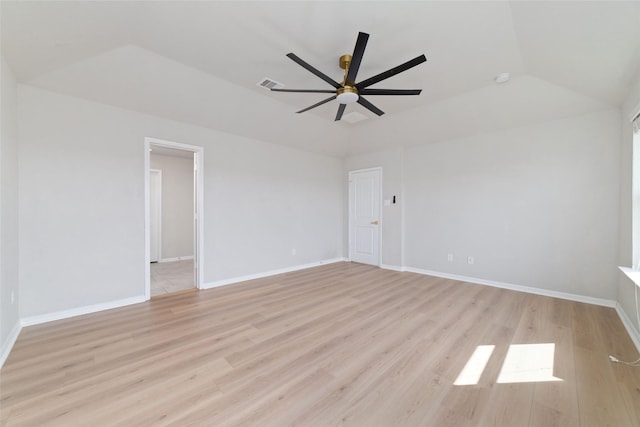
(347, 95)
(349, 92)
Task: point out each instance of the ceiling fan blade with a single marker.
(340, 112)
(390, 91)
(392, 72)
(366, 104)
(304, 90)
(356, 58)
(324, 101)
(313, 70)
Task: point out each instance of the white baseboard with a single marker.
(225, 282)
(178, 258)
(63, 314)
(392, 267)
(9, 342)
(34, 320)
(628, 324)
(520, 288)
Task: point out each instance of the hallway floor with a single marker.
(167, 277)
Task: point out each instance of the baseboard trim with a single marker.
(628, 324)
(225, 282)
(519, 288)
(634, 334)
(392, 267)
(63, 314)
(178, 258)
(7, 346)
(79, 311)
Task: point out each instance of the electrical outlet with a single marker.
(470, 260)
(13, 297)
(293, 251)
(450, 257)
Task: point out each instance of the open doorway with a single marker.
(173, 226)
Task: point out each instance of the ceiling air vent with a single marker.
(269, 84)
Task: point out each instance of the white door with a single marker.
(364, 216)
(155, 212)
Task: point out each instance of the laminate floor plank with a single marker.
(342, 344)
(593, 376)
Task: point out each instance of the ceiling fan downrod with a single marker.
(347, 93)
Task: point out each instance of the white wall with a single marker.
(625, 291)
(82, 202)
(535, 206)
(264, 200)
(177, 205)
(9, 313)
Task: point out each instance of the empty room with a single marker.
(318, 213)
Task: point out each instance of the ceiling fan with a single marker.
(349, 91)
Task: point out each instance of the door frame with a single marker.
(198, 255)
(159, 213)
(350, 211)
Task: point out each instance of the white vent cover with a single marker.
(269, 84)
(354, 117)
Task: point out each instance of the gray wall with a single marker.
(625, 291)
(177, 205)
(9, 313)
(535, 206)
(82, 202)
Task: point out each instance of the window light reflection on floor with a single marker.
(527, 363)
(472, 371)
(523, 363)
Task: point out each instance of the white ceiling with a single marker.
(199, 62)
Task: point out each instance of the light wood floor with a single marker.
(343, 344)
(169, 277)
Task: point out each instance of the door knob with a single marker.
(374, 222)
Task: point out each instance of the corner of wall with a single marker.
(9, 244)
(7, 344)
(626, 291)
(628, 324)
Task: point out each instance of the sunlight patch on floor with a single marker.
(527, 363)
(524, 363)
(475, 366)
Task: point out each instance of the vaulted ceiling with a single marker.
(199, 62)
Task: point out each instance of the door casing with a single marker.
(155, 213)
(198, 254)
